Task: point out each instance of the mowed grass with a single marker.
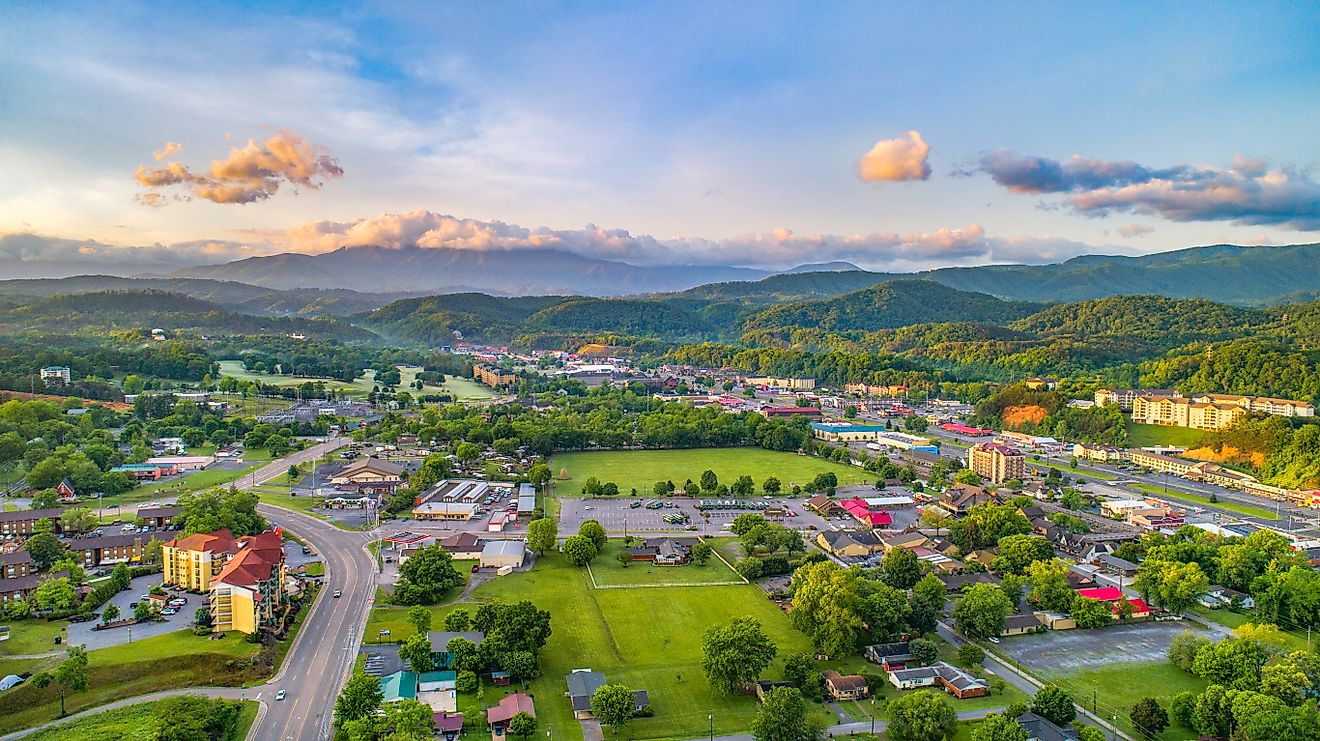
(1075, 473)
(133, 723)
(646, 638)
(1121, 685)
(608, 571)
(1242, 509)
(463, 388)
(640, 469)
(170, 661)
(28, 637)
(1143, 436)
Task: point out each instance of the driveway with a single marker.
(82, 633)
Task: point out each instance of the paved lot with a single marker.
(82, 633)
(617, 516)
(1070, 650)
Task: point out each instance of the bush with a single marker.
(466, 681)
(645, 711)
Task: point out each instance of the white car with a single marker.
(170, 611)
(279, 695)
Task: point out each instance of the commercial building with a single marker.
(1125, 398)
(845, 432)
(451, 511)
(368, 471)
(774, 412)
(56, 374)
(881, 390)
(498, 554)
(183, 463)
(1212, 411)
(787, 384)
(996, 463)
(493, 376)
(106, 550)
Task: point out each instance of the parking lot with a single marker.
(1072, 650)
(82, 633)
(618, 516)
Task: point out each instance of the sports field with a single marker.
(463, 388)
(640, 469)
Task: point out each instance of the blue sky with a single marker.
(727, 132)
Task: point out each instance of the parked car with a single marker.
(170, 611)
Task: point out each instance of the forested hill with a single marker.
(1145, 317)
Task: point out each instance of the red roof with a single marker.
(258, 557)
(447, 721)
(220, 541)
(510, 706)
(1137, 606)
(791, 410)
(964, 429)
(1104, 594)
(858, 509)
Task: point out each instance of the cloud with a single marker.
(167, 150)
(249, 174)
(898, 159)
(1246, 193)
(1134, 230)
(19, 248)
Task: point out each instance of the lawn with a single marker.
(608, 572)
(644, 638)
(1293, 641)
(1145, 436)
(31, 637)
(1115, 689)
(315, 568)
(640, 469)
(170, 661)
(1070, 471)
(1242, 509)
(133, 723)
(462, 388)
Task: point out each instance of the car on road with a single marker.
(339, 593)
(279, 696)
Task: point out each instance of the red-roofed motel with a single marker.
(244, 576)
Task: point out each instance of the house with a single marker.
(440, 643)
(23, 521)
(1079, 580)
(448, 725)
(1114, 565)
(1042, 729)
(909, 541)
(464, 545)
(765, 686)
(369, 471)
(582, 684)
(844, 686)
(985, 556)
(863, 513)
(996, 463)
(954, 583)
(848, 543)
(953, 680)
(889, 655)
(498, 554)
(399, 686)
(159, 516)
(65, 492)
(663, 551)
(498, 717)
(1115, 597)
(16, 564)
(1020, 624)
(1220, 596)
(962, 497)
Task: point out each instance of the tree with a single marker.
(785, 716)
(538, 475)
(522, 724)
(426, 577)
(825, 607)
(595, 532)
(970, 654)
(923, 650)
(54, 592)
(883, 608)
(735, 653)
(407, 720)
(420, 618)
(613, 705)
(967, 476)
(467, 452)
(1149, 718)
(466, 681)
(78, 520)
(771, 485)
(45, 549)
(228, 509)
(709, 481)
(660, 489)
(458, 621)
(542, 535)
(1049, 585)
(45, 499)
(69, 676)
(110, 613)
(579, 550)
(1184, 647)
(624, 558)
(1091, 613)
(1054, 704)
(743, 486)
(1232, 662)
(900, 568)
(521, 665)
(701, 552)
(1017, 552)
(463, 654)
(998, 727)
(746, 522)
(980, 612)
(294, 473)
(921, 716)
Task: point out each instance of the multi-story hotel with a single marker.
(996, 463)
(493, 376)
(244, 576)
(1211, 411)
(1126, 398)
(787, 384)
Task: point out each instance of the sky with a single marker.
(896, 137)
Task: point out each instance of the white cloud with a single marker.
(898, 159)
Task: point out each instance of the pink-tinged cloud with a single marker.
(249, 174)
(167, 150)
(898, 159)
(1246, 193)
(1134, 230)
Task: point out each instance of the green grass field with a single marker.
(463, 388)
(640, 469)
(133, 723)
(1242, 509)
(608, 571)
(1118, 687)
(1143, 436)
(1071, 472)
(31, 636)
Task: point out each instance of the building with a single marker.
(583, 683)
(1115, 597)
(1160, 462)
(193, 562)
(23, 587)
(499, 554)
(1020, 624)
(462, 546)
(440, 643)
(996, 463)
(1043, 729)
(778, 412)
(845, 432)
(1125, 398)
(368, 471)
(890, 655)
(493, 376)
(663, 551)
(453, 511)
(146, 471)
(498, 717)
(16, 564)
(786, 384)
(107, 550)
(903, 441)
(56, 374)
(881, 390)
(951, 679)
(248, 594)
(1260, 404)
(526, 499)
(159, 517)
(844, 686)
(863, 512)
(960, 498)
(1100, 453)
(848, 543)
(23, 521)
(1181, 412)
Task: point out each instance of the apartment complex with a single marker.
(1125, 398)
(1212, 411)
(866, 389)
(787, 384)
(996, 463)
(493, 376)
(244, 576)
(58, 373)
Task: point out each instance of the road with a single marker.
(321, 658)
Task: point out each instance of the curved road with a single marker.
(321, 658)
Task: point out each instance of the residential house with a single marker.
(890, 655)
(908, 540)
(1114, 565)
(960, 498)
(498, 717)
(1217, 596)
(765, 686)
(16, 564)
(951, 679)
(583, 683)
(22, 522)
(440, 643)
(996, 463)
(448, 725)
(1043, 729)
(1020, 624)
(955, 583)
(848, 543)
(844, 686)
(985, 556)
(65, 493)
(663, 551)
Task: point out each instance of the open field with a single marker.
(1070, 471)
(645, 638)
(1143, 436)
(607, 571)
(640, 469)
(462, 388)
(31, 636)
(1242, 509)
(133, 723)
(165, 662)
(1116, 688)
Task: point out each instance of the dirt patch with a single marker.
(1227, 454)
(1015, 416)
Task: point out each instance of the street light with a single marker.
(872, 716)
(711, 717)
